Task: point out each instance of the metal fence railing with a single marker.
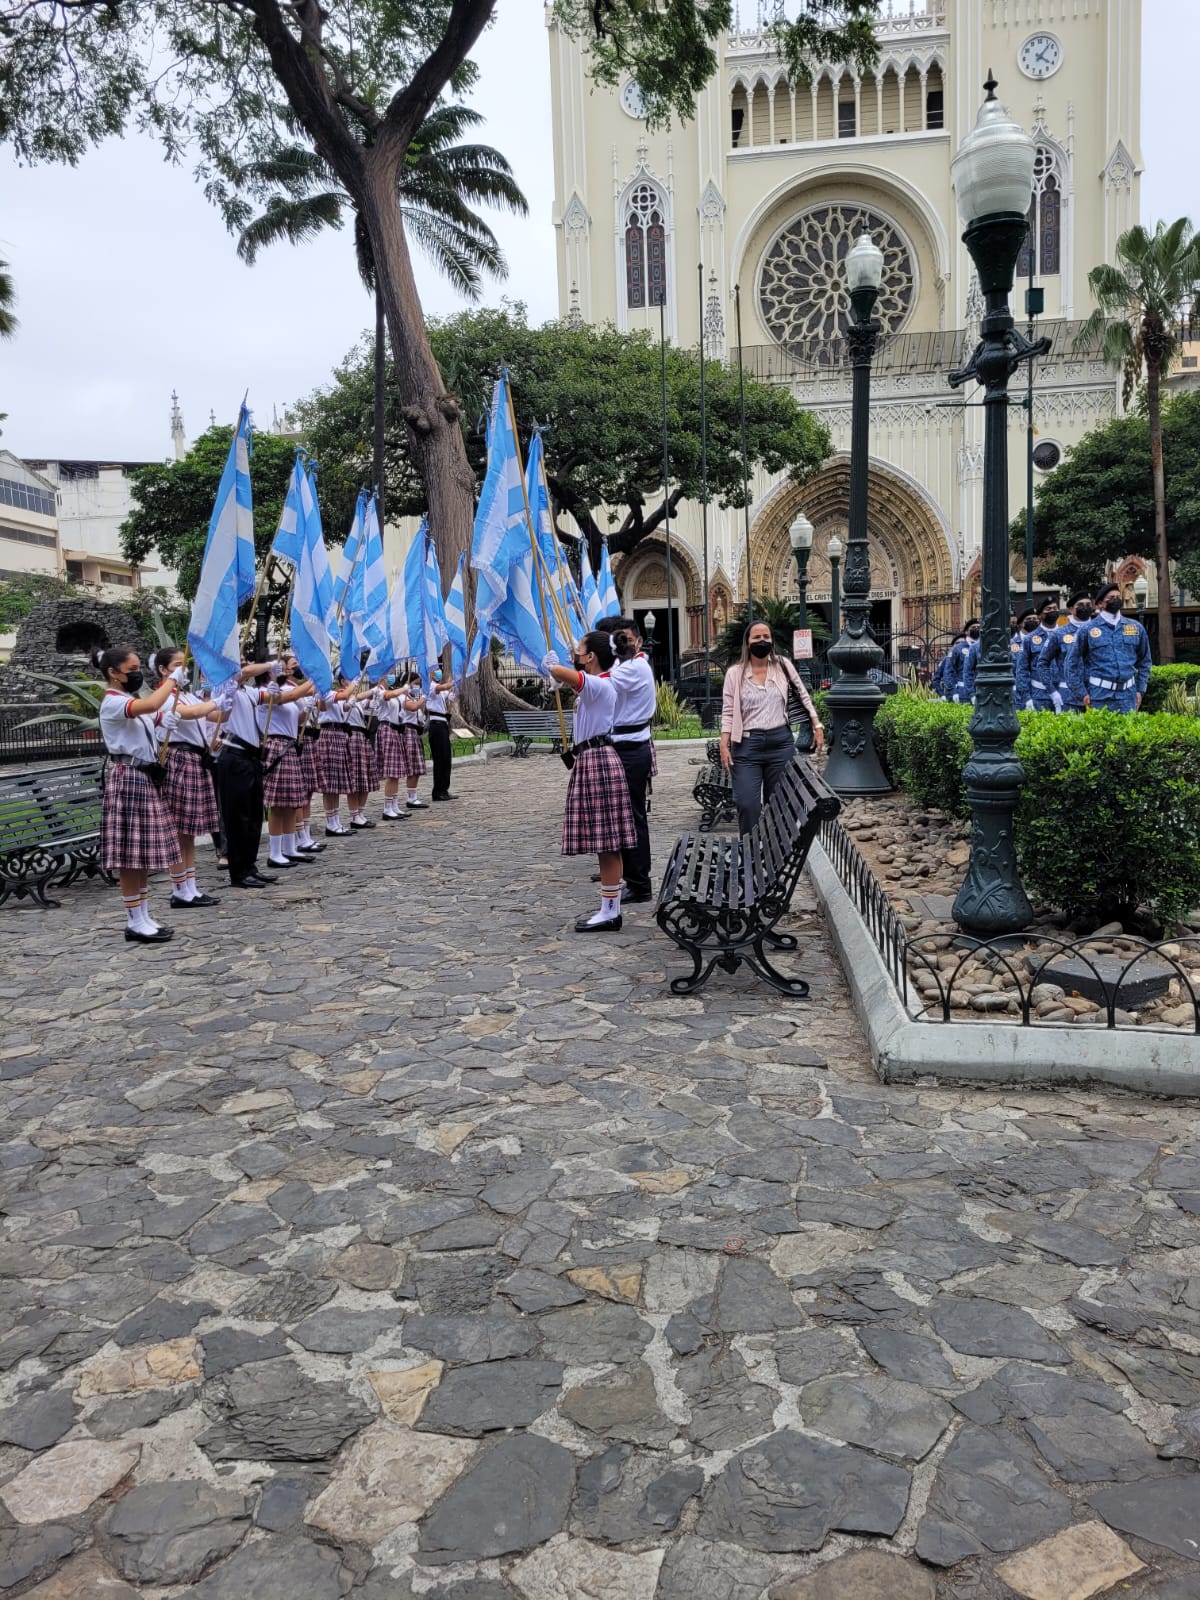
(57, 739)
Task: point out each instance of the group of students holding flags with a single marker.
(186, 762)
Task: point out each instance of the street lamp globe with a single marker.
(1140, 590)
(801, 533)
(864, 264)
(834, 548)
(992, 173)
(651, 619)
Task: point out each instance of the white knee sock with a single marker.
(289, 844)
(610, 904)
(149, 924)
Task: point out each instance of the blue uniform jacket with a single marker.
(960, 674)
(1111, 663)
(1030, 689)
(1051, 665)
(940, 682)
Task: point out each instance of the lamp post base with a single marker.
(853, 767)
(992, 901)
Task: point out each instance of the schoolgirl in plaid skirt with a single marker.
(363, 771)
(597, 816)
(283, 781)
(307, 740)
(391, 748)
(189, 792)
(137, 835)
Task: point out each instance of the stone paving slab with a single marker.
(382, 1238)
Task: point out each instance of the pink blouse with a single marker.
(746, 705)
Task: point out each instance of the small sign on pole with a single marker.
(802, 644)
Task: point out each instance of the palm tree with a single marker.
(1138, 306)
(441, 182)
(8, 299)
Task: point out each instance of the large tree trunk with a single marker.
(1166, 637)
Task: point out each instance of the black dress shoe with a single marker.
(278, 866)
(418, 805)
(612, 925)
(443, 797)
(636, 897)
(306, 861)
(200, 900)
(359, 826)
(249, 883)
(263, 877)
(313, 849)
(159, 936)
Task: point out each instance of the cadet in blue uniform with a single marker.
(940, 682)
(1108, 666)
(963, 658)
(1026, 623)
(1032, 691)
(1051, 666)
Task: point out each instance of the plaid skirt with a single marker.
(332, 762)
(308, 766)
(597, 817)
(136, 833)
(653, 760)
(390, 752)
(413, 758)
(283, 781)
(188, 793)
(361, 767)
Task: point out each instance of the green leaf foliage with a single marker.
(1098, 505)
(20, 593)
(597, 395)
(173, 503)
(1184, 673)
(784, 617)
(1109, 813)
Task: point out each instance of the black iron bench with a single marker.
(49, 829)
(713, 790)
(524, 727)
(722, 894)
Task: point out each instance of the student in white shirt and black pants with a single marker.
(239, 775)
(437, 709)
(633, 679)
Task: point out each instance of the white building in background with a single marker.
(28, 521)
(765, 189)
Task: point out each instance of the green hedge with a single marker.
(1109, 815)
(1161, 679)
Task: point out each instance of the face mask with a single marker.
(1029, 624)
(1050, 622)
(973, 634)
(1113, 604)
(760, 649)
(577, 663)
(1082, 613)
(133, 682)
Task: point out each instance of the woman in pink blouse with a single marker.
(756, 740)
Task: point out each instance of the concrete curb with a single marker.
(1052, 1054)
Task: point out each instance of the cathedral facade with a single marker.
(765, 190)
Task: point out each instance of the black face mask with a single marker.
(1083, 613)
(760, 649)
(1113, 604)
(1029, 624)
(973, 634)
(1050, 622)
(133, 682)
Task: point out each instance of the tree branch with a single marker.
(410, 106)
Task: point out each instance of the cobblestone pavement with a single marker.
(381, 1238)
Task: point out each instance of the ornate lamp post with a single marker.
(648, 638)
(801, 535)
(853, 766)
(993, 181)
(834, 551)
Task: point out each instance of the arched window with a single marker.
(645, 248)
(1043, 244)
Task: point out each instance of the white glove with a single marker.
(1056, 700)
(168, 721)
(224, 702)
(227, 689)
(272, 690)
(274, 670)
(180, 676)
(550, 659)
(1029, 705)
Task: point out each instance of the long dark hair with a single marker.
(600, 645)
(161, 659)
(106, 661)
(759, 622)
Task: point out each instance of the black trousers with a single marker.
(635, 758)
(239, 778)
(439, 750)
(759, 761)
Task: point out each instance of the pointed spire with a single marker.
(178, 436)
(212, 419)
(574, 314)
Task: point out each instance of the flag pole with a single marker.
(537, 571)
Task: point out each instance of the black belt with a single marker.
(135, 762)
(597, 743)
(245, 746)
(352, 729)
(186, 744)
(334, 727)
(312, 733)
(631, 727)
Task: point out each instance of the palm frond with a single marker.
(293, 167)
(8, 298)
(294, 220)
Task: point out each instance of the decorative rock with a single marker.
(585, 1334)
(1075, 1564)
(173, 1532)
(815, 1353)
(625, 1495)
(87, 1577)
(38, 1420)
(158, 1366)
(274, 1411)
(674, 1278)
(751, 1299)
(373, 1267)
(863, 1575)
(980, 1328)
(989, 1494)
(1165, 1512)
(67, 1479)
(277, 1569)
(530, 1290)
(389, 1476)
(910, 1356)
(715, 1571)
(339, 1332)
(1089, 1444)
(26, 1552)
(620, 1405)
(226, 1348)
(495, 1394)
(1019, 1284)
(669, 1181)
(1097, 977)
(881, 1414)
(614, 1283)
(403, 1394)
(578, 1568)
(283, 1298)
(281, 1504)
(790, 1492)
(492, 1336)
(515, 1496)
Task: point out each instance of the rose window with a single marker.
(802, 292)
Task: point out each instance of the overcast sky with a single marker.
(129, 285)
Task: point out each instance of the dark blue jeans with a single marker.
(759, 761)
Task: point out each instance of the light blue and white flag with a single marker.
(606, 589)
(517, 620)
(312, 593)
(456, 621)
(557, 572)
(227, 571)
(353, 639)
(590, 595)
(289, 536)
(478, 645)
(424, 618)
(349, 557)
(437, 633)
(501, 528)
(375, 630)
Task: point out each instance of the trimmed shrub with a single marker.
(1161, 678)
(1109, 814)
